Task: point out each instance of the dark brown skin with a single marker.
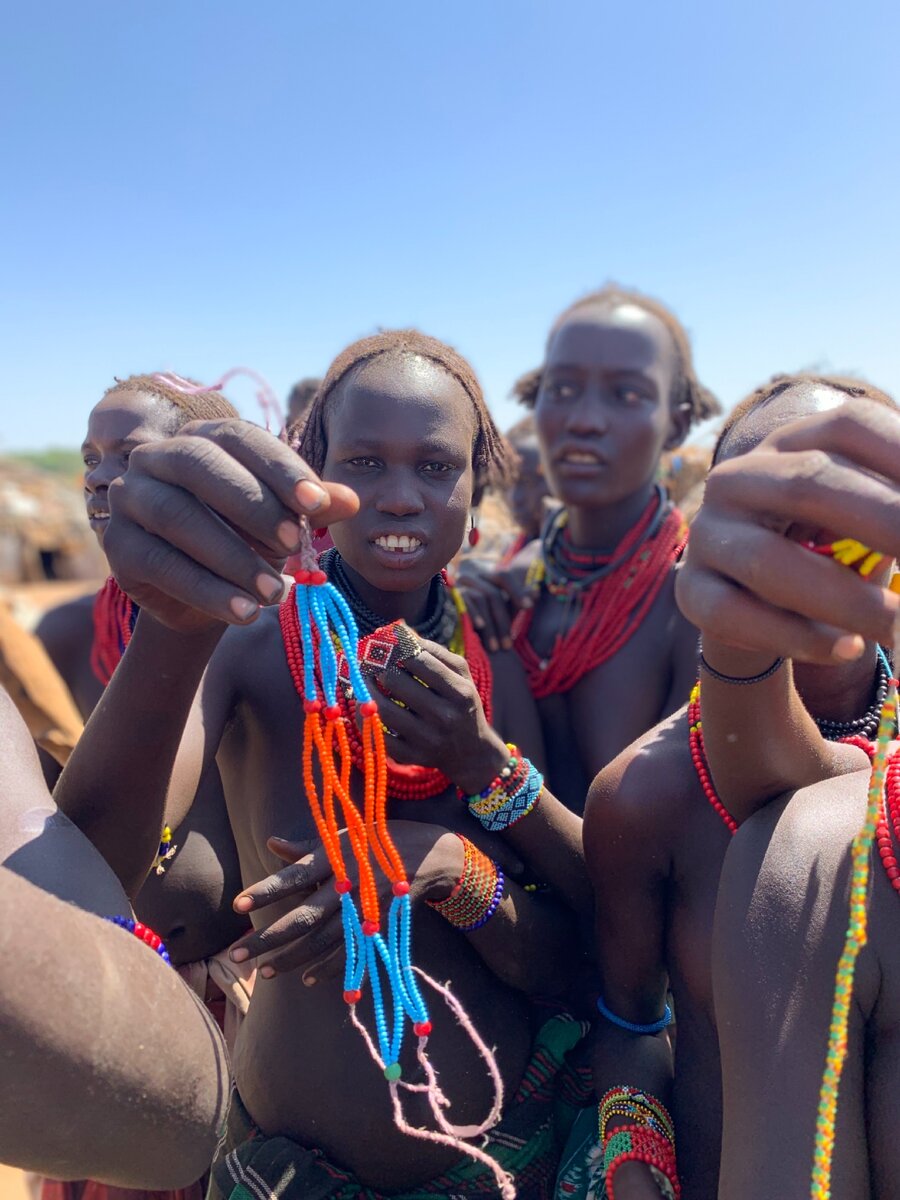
(782, 909)
(189, 906)
(68, 967)
(418, 425)
(655, 848)
(605, 395)
(526, 498)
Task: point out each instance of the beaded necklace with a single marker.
(404, 782)
(606, 596)
(114, 618)
(315, 621)
(859, 731)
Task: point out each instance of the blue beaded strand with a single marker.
(630, 1026)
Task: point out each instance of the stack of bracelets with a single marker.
(476, 896)
(509, 797)
(647, 1136)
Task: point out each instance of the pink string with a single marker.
(265, 396)
(449, 1135)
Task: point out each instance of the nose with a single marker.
(589, 415)
(400, 494)
(98, 478)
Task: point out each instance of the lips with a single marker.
(579, 456)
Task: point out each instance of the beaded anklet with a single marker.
(476, 896)
(145, 934)
(630, 1026)
(509, 797)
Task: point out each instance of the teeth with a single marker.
(403, 543)
(581, 457)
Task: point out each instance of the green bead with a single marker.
(393, 1071)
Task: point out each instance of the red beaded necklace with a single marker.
(698, 757)
(890, 813)
(113, 613)
(609, 610)
(403, 782)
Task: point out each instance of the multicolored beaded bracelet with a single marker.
(631, 1026)
(477, 895)
(510, 797)
(146, 935)
(639, 1108)
(636, 1143)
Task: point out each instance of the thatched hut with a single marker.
(44, 532)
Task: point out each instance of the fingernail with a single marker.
(527, 602)
(268, 587)
(243, 608)
(849, 647)
(309, 980)
(240, 955)
(478, 622)
(310, 495)
(289, 534)
(243, 904)
(507, 643)
(267, 972)
(493, 645)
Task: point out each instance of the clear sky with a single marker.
(198, 184)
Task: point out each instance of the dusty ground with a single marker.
(12, 1185)
(31, 600)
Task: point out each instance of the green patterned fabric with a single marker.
(527, 1142)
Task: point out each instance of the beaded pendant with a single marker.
(326, 623)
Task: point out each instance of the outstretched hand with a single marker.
(310, 936)
(749, 581)
(202, 522)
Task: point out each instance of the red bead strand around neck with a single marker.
(112, 629)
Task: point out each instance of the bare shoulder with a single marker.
(68, 626)
(245, 657)
(644, 791)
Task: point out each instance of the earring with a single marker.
(474, 534)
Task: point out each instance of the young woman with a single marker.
(656, 834)
(606, 651)
(401, 424)
(764, 599)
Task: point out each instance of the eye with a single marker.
(561, 389)
(90, 461)
(437, 468)
(363, 464)
(628, 393)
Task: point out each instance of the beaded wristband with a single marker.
(146, 935)
(653, 1027)
(514, 799)
(477, 895)
(635, 1143)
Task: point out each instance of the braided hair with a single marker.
(779, 384)
(492, 457)
(688, 391)
(200, 406)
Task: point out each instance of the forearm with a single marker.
(549, 840)
(86, 1000)
(115, 784)
(532, 942)
(760, 741)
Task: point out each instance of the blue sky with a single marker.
(193, 185)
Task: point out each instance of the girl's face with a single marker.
(400, 433)
(603, 412)
(119, 423)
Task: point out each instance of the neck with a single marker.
(411, 607)
(602, 529)
(837, 693)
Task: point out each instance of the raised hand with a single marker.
(750, 582)
(201, 523)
